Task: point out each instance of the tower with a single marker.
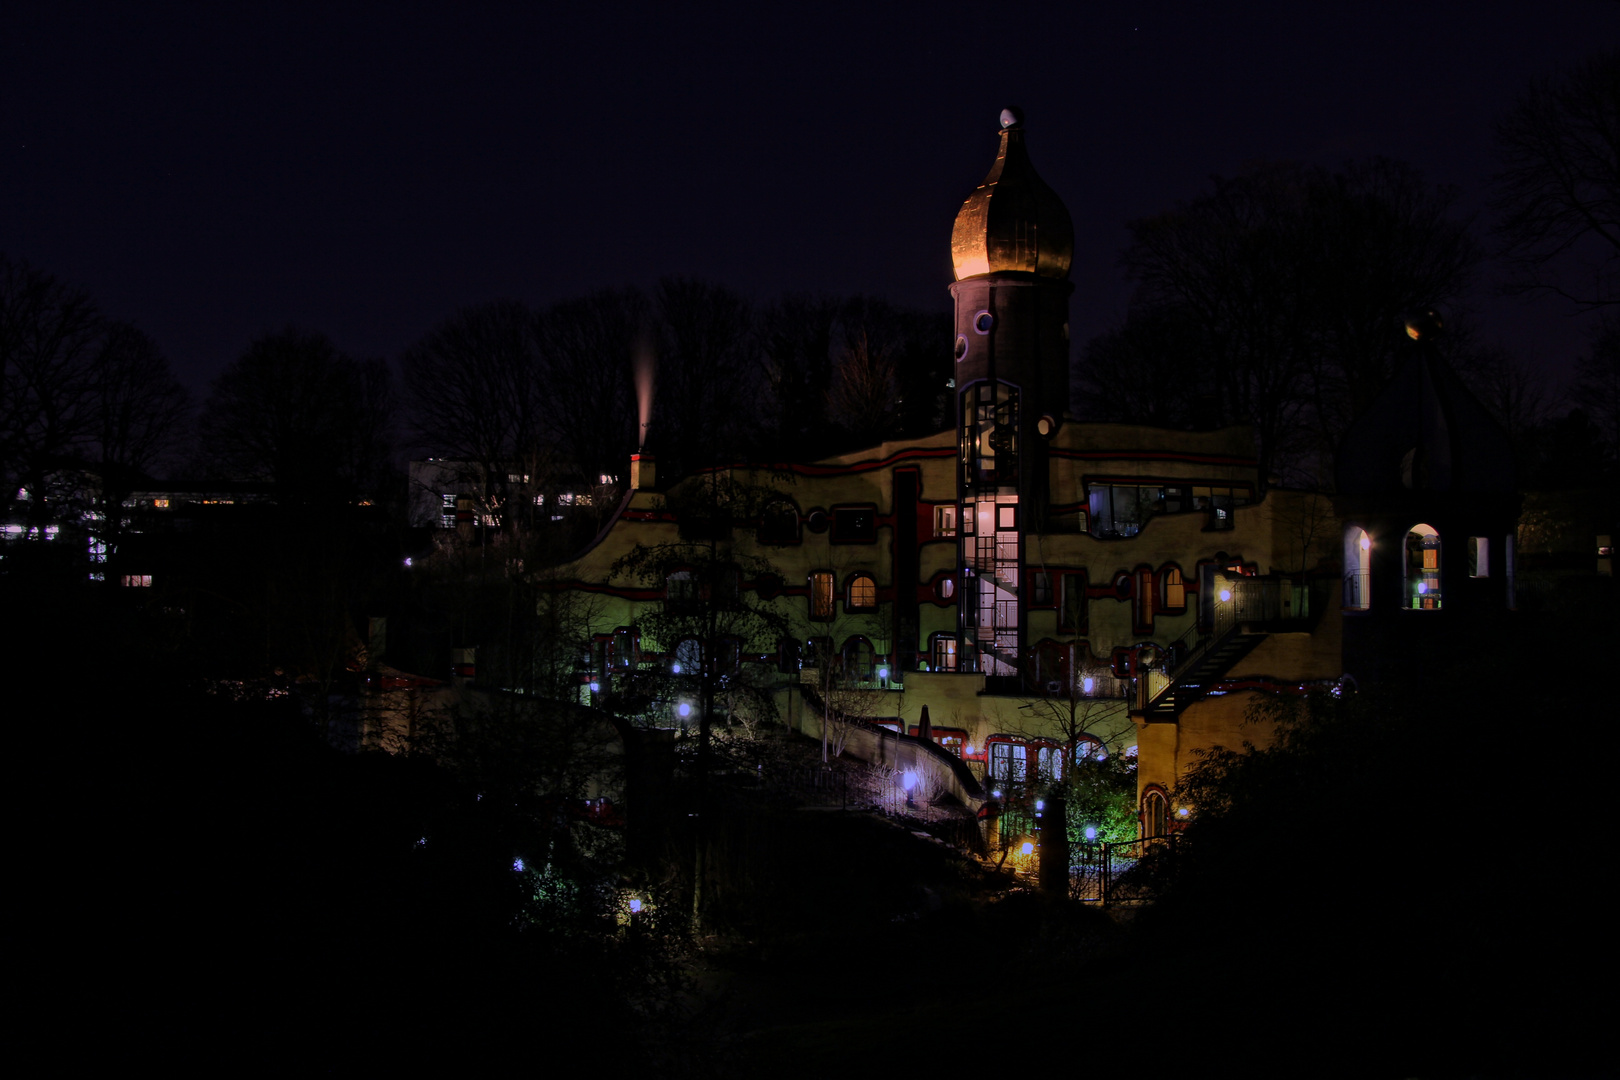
(1011, 247)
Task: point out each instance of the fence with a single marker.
(1131, 871)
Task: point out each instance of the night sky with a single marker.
(211, 172)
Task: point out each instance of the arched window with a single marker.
(681, 588)
(1008, 761)
(1155, 813)
(623, 649)
(1051, 668)
(860, 662)
(779, 524)
(1172, 590)
(1087, 748)
(1048, 763)
(1357, 569)
(861, 595)
(1423, 568)
(688, 657)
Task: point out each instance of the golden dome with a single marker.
(1012, 221)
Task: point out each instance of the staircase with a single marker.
(1193, 677)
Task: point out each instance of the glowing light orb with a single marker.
(684, 710)
(883, 673)
(1366, 543)
(1040, 804)
(1423, 587)
(517, 864)
(635, 907)
(1226, 594)
(1028, 848)
(595, 686)
(676, 668)
(1091, 832)
(1090, 684)
(909, 780)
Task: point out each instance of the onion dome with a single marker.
(1012, 221)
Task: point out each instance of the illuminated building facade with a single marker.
(1046, 588)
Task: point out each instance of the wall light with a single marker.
(1226, 594)
(595, 686)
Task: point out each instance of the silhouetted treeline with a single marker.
(728, 381)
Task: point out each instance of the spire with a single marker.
(1012, 221)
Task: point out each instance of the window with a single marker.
(1357, 569)
(1155, 813)
(622, 650)
(1423, 568)
(1142, 596)
(1048, 763)
(854, 524)
(1007, 761)
(945, 521)
(1173, 591)
(861, 594)
(1041, 595)
(1087, 748)
(860, 662)
(681, 588)
(1072, 617)
(1479, 557)
(821, 595)
(818, 651)
(688, 658)
(138, 581)
(944, 652)
(779, 524)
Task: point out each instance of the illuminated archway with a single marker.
(1423, 568)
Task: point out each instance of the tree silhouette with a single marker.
(1559, 190)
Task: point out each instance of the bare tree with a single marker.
(49, 340)
(708, 378)
(1284, 290)
(294, 412)
(1559, 191)
(475, 389)
(141, 415)
(1597, 387)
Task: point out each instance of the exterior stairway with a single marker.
(1193, 677)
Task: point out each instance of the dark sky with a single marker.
(213, 171)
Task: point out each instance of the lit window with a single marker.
(1175, 590)
(862, 595)
(138, 581)
(1423, 568)
(161, 504)
(821, 595)
(1479, 557)
(945, 520)
(944, 652)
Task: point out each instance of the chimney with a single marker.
(643, 472)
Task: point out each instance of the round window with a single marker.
(961, 348)
(983, 321)
(945, 588)
(816, 521)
